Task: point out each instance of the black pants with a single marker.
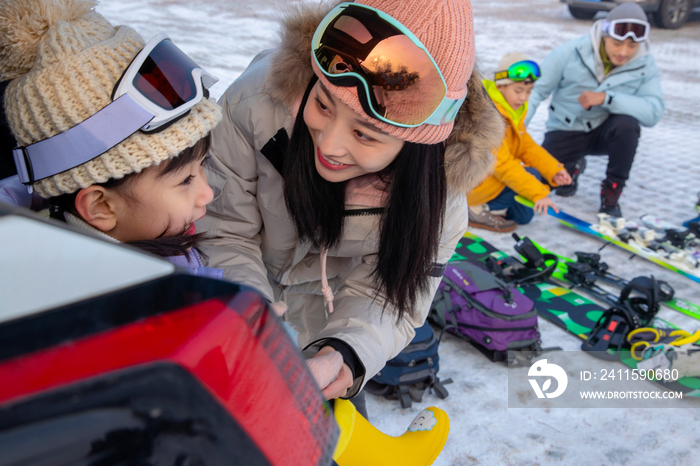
(617, 138)
(360, 404)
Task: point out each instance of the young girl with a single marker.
(80, 96)
(340, 170)
(130, 169)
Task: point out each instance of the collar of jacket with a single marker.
(81, 225)
(503, 105)
(607, 64)
(479, 127)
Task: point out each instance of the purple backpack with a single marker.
(494, 317)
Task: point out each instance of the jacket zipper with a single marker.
(363, 212)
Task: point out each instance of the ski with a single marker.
(665, 255)
(587, 268)
(678, 236)
(562, 306)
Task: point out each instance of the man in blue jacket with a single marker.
(606, 84)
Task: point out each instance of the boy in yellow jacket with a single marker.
(520, 162)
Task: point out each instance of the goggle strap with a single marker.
(87, 140)
(501, 75)
(446, 112)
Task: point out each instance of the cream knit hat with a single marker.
(63, 60)
(445, 27)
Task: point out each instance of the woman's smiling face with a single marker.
(345, 145)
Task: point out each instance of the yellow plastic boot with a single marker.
(361, 444)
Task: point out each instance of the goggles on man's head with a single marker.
(525, 70)
(621, 29)
(397, 80)
(159, 87)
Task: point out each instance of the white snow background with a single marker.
(224, 35)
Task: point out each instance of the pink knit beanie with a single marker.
(445, 28)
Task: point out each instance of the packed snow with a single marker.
(224, 35)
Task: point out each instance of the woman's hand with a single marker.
(541, 206)
(562, 178)
(332, 375)
(279, 308)
(339, 387)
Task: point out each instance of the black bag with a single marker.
(413, 371)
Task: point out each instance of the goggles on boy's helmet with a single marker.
(525, 70)
(621, 29)
(159, 87)
(397, 80)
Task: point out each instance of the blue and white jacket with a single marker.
(631, 89)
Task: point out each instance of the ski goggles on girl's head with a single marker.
(397, 80)
(159, 87)
(525, 70)
(164, 81)
(621, 29)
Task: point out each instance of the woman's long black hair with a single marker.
(410, 226)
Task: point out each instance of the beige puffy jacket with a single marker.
(254, 239)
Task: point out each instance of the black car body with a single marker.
(668, 14)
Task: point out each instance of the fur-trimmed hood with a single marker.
(479, 127)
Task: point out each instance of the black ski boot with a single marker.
(609, 194)
(575, 172)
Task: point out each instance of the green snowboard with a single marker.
(562, 306)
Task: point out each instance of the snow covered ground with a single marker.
(224, 35)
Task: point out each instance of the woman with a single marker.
(330, 199)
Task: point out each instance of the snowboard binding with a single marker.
(592, 259)
(609, 336)
(537, 268)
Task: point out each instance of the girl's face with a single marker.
(620, 51)
(345, 145)
(163, 205)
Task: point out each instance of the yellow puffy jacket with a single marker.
(517, 151)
